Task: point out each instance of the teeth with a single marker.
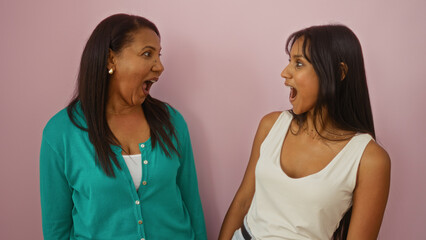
(153, 81)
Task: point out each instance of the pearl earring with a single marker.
(111, 71)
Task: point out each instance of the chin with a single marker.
(297, 111)
(138, 101)
(300, 111)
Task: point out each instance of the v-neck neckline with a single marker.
(324, 169)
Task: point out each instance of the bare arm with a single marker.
(371, 193)
(242, 200)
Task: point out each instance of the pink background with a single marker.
(223, 61)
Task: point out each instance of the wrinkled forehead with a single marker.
(144, 37)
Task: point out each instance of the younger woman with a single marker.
(315, 171)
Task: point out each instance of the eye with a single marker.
(299, 64)
(147, 54)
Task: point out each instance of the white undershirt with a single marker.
(134, 164)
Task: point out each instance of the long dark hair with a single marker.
(114, 33)
(335, 51)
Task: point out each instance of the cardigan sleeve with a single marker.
(188, 184)
(55, 194)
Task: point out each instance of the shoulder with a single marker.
(269, 120)
(266, 124)
(60, 127)
(178, 121)
(174, 113)
(58, 122)
(375, 155)
(375, 160)
(175, 116)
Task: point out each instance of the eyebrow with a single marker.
(298, 56)
(150, 47)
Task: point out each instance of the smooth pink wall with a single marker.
(223, 61)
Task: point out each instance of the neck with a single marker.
(321, 127)
(119, 103)
(318, 123)
(121, 108)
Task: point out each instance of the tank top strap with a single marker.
(346, 163)
(276, 135)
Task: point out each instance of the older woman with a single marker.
(117, 163)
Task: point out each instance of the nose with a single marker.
(158, 66)
(286, 73)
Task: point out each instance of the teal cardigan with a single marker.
(78, 201)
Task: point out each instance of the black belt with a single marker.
(245, 233)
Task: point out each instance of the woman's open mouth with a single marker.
(146, 86)
(293, 94)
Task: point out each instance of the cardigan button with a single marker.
(137, 202)
(140, 221)
(142, 145)
(145, 162)
(144, 182)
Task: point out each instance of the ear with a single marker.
(111, 60)
(343, 70)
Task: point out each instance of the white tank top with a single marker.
(310, 207)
